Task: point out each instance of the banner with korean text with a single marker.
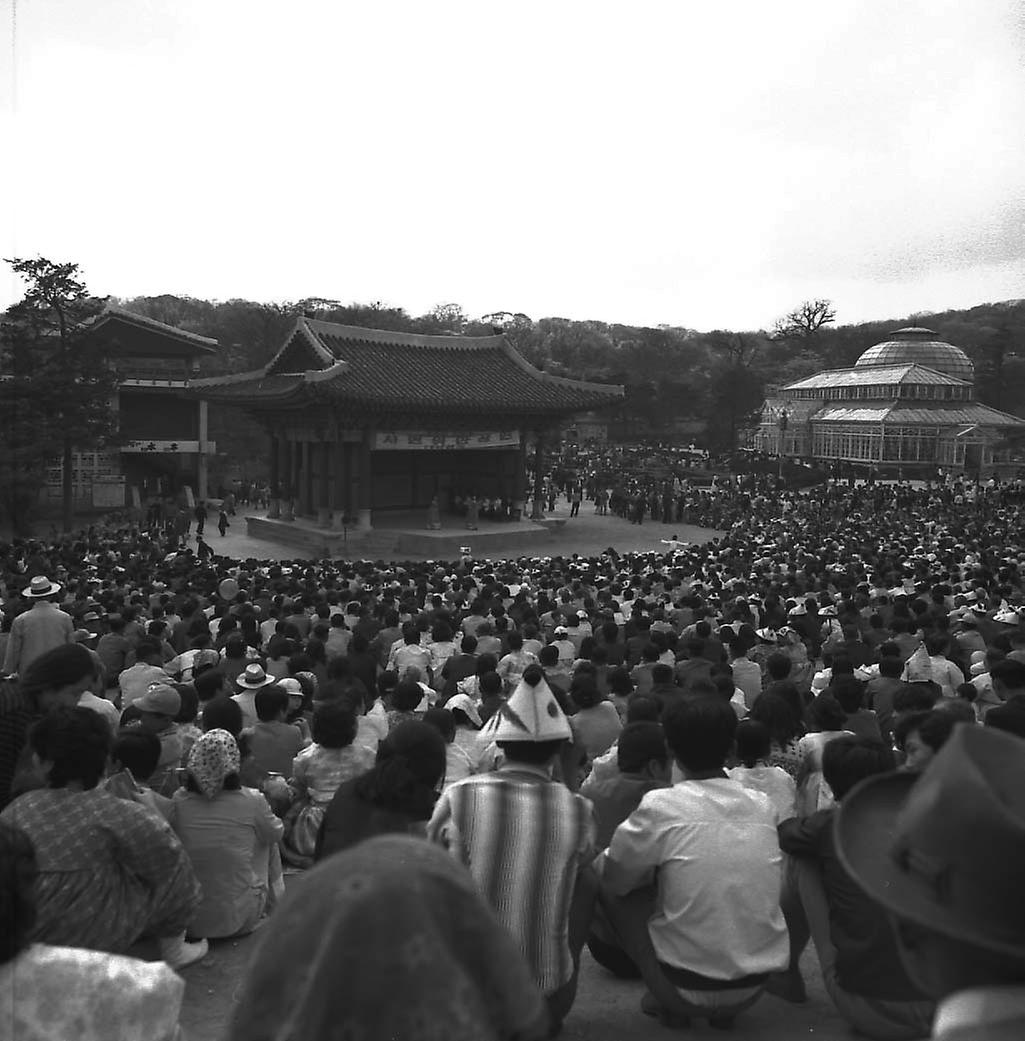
(406, 440)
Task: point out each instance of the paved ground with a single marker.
(586, 534)
(607, 1009)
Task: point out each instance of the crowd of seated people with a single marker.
(176, 735)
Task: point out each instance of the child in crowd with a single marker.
(458, 764)
(133, 761)
(273, 742)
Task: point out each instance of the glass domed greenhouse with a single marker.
(907, 403)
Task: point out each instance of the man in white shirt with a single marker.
(565, 646)
(747, 676)
(409, 653)
(707, 939)
(148, 669)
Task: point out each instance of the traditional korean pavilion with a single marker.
(906, 403)
(363, 421)
(165, 446)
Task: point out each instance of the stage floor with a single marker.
(403, 533)
(589, 534)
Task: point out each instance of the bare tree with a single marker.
(800, 327)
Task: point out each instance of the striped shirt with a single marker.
(523, 838)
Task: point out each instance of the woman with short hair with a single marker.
(110, 872)
(48, 991)
(318, 772)
(396, 795)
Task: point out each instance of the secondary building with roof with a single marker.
(165, 447)
(365, 421)
(906, 404)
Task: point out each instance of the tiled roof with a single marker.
(247, 385)
(387, 370)
(876, 376)
(891, 413)
(111, 312)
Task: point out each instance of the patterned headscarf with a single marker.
(391, 916)
(213, 757)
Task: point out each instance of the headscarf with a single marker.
(213, 757)
(389, 939)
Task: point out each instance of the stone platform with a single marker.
(400, 533)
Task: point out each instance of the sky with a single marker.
(686, 163)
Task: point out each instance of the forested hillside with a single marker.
(714, 379)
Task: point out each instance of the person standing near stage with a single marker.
(200, 514)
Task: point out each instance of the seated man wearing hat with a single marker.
(157, 709)
(527, 840)
(856, 946)
(42, 627)
(944, 854)
(252, 679)
(691, 880)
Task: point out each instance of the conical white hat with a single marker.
(530, 714)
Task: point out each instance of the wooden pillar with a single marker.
(519, 490)
(539, 478)
(274, 507)
(324, 484)
(202, 471)
(365, 482)
(305, 481)
(287, 480)
(340, 493)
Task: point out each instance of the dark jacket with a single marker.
(867, 961)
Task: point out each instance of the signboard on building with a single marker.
(413, 440)
(108, 491)
(173, 447)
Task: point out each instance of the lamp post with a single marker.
(784, 420)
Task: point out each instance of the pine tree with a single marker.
(57, 392)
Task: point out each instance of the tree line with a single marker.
(681, 384)
(714, 382)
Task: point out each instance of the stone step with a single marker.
(318, 543)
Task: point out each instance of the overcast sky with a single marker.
(684, 162)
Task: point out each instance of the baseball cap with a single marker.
(161, 699)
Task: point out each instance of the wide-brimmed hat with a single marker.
(39, 587)
(254, 677)
(946, 849)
